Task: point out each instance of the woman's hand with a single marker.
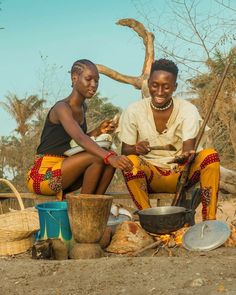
(142, 147)
(121, 162)
(107, 126)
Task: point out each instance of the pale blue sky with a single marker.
(66, 31)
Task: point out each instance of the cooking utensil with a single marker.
(205, 236)
(163, 220)
(167, 147)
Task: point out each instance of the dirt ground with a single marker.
(184, 272)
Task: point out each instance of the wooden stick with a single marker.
(151, 246)
(184, 176)
(167, 147)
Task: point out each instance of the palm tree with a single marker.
(22, 110)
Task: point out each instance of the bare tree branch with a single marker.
(148, 39)
(192, 20)
(225, 5)
(135, 81)
(140, 81)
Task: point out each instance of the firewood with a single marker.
(151, 246)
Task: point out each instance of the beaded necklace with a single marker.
(161, 108)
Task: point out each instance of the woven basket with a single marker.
(17, 227)
(16, 247)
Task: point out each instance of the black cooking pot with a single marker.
(163, 220)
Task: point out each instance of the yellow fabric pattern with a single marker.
(146, 178)
(44, 178)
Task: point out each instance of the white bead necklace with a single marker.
(161, 108)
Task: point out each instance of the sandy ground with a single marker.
(184, 272)
(198, 273)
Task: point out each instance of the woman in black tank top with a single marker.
(92, 170)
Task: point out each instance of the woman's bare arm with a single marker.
(63, 114)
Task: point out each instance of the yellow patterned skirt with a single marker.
(44, 178)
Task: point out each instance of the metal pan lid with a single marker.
(205, 236)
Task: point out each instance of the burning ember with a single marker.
(173, 239)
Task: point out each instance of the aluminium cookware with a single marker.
(164, 219)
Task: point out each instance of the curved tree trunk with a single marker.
(139, 82)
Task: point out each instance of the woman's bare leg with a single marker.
(105, 180)
(103, 183)
(83, 165)
(92, 178)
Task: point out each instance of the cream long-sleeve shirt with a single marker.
(137, 124)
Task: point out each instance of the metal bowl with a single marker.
(163, 220)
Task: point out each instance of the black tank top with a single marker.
(54, 139)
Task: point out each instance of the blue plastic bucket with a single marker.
(54, 221)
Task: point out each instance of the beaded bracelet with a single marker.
(105, 159)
